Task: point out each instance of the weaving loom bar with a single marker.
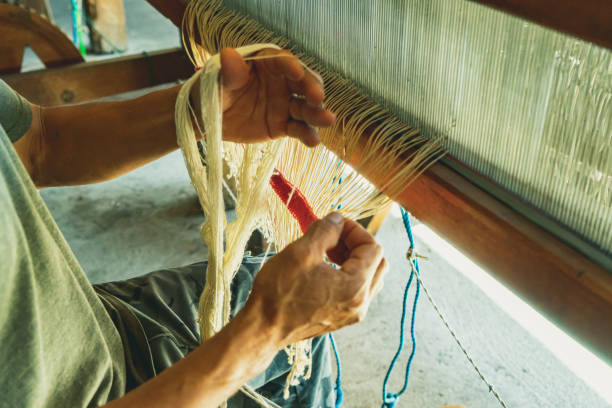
(91, 80)
(587, 19)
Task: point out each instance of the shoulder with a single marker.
(15, 112)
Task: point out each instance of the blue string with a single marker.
(338, 387)
(75, 26)
(391, 398)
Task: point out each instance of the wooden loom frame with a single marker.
(555, 278)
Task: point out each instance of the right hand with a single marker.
(302, 296)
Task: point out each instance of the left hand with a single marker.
(258, 101)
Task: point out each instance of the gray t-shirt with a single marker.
(58, 345)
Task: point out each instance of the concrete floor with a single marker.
(149, 219)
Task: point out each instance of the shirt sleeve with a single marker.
(15, 112)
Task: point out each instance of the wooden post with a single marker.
(12, 56)
(106, 22)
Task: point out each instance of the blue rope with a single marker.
(391, 398)
(75, 26)
(338, 387)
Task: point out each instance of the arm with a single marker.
(276, 313)
(80, 144)
(98, 141)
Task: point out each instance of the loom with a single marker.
(525, 115)
(523, 110)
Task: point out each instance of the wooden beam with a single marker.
(93, 80)
(556, 279)
(590, 20)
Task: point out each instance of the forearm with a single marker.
(216, 369)
(99, 141)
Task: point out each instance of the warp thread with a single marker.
(258, 166)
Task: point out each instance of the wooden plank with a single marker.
(556, 279)
(93, 80)
(590, 20)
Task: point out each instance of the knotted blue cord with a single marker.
(338, 387)
(391, 398)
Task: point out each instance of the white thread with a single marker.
(214, 309)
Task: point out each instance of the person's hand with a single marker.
(303, 297)
(258, 101)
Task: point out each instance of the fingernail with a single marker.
(334, 218)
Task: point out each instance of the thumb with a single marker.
(324, 234)
(233, 68)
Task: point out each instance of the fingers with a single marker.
(234, 70)
(301, 81)
(354, 235)
(302, 131)
(304, 117)
(323, 234)
(311, 87)
(363, 261)
(285, 65)
(364, 254)
(378, 278)
(313, 115)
